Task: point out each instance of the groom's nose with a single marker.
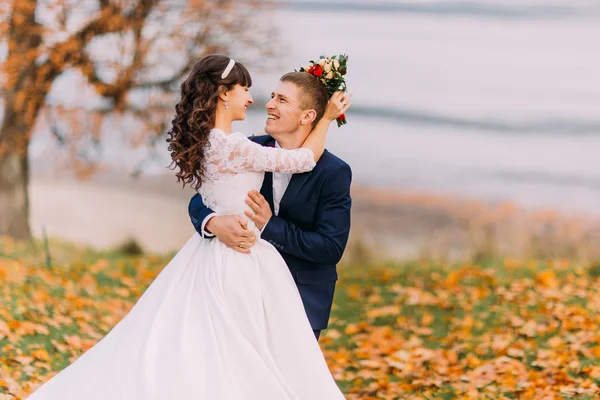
(270, 104)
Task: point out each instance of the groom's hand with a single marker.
(261, 211)
(233, 231)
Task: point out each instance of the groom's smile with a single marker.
(283, 110)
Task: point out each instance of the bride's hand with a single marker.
(338, 104)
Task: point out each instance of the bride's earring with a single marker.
(226, 105)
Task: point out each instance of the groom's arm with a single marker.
(232, 230)
(200, 214)
(327, 242)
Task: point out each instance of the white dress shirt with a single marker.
(281, 181)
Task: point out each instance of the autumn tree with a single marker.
(133, 53)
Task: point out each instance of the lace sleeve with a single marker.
(245, 155)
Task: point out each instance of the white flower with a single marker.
(322, 62)
(327, 67)
(329, 75)
(336, 64)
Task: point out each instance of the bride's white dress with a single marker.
(215, 324)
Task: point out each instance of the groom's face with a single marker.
(285, 115)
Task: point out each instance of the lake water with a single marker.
(495, 100)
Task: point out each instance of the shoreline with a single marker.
(110, 208)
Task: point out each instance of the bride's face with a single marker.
(238, 100)
(284, 111)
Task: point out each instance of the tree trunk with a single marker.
(14, 195)
(22, 101)
(14, 173)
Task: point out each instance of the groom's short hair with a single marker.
(313, 95)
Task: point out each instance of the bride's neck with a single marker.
(223, 122)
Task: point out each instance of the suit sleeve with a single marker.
(198, 213)
(326, 244)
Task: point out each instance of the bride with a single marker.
(216, 324)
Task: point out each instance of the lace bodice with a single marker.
(235, 165)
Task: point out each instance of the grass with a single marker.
(498, 329)
(501, 329)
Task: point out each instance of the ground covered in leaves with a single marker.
(504, 329)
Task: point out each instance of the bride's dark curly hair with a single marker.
(195, 115)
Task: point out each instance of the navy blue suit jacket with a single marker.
(311, 230)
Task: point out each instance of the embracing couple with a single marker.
(236, 317)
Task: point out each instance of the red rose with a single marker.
(317, 70)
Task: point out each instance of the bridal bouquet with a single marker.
(330, 71)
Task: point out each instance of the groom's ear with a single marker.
(308, 117)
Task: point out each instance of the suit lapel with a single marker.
(292, 190)
(267, 186)
(296, 183)
(267, 189)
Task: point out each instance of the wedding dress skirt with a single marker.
(216, 325)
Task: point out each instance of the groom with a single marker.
(305, 216)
